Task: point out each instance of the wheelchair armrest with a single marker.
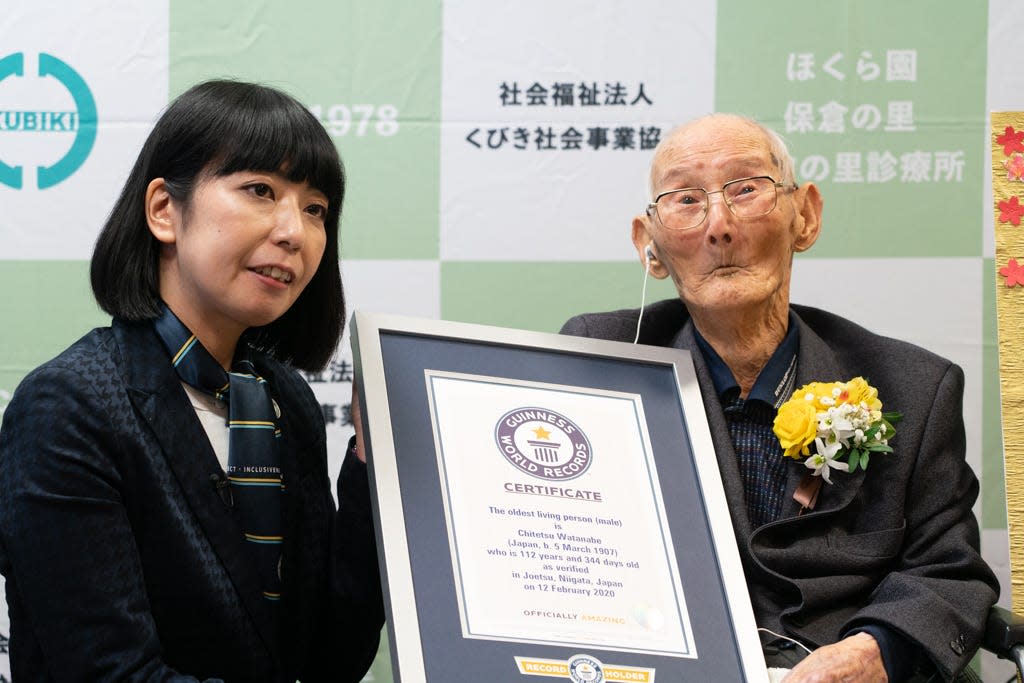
(1003, 630)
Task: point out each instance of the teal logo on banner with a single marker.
(82, 121)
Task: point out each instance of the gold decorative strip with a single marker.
(1008, 207)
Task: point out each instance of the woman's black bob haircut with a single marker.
(217, 128)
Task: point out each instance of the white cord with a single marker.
(643, 300)
(777, 635)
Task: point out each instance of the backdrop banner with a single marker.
(496, 155)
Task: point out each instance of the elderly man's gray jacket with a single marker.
(896, 545)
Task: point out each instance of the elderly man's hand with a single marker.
(855, 659)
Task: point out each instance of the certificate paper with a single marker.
(556, 524)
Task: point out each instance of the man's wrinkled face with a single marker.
(726, 262)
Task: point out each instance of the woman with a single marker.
(142, 538)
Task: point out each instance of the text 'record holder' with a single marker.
(547, 506)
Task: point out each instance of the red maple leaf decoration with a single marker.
(1011, 211)
(1013, 272)
(1011, 140)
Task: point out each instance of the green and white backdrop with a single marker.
(496, 154)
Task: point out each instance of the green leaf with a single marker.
(854, 460)
(880, 448)
(864, 461)
(892, 418)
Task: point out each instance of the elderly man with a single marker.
(882, 578)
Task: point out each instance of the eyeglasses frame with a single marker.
(652, 207)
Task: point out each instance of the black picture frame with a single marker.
(395, 357)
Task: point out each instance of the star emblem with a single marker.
(1011, 211)
(1011, 140)
(1013, 272)
(542, 433)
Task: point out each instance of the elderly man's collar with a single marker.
(774, 384)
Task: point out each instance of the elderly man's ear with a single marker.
(807, 225)
(646, 248)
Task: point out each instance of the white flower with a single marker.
(841, 421)
(860, 421)
(824, 460)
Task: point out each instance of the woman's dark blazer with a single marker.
(123, 555)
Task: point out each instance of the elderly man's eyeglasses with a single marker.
(686, 208)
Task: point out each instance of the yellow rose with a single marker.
(859, 391)
(815, 391)
(796, 425)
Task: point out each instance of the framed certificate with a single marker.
(547, 506)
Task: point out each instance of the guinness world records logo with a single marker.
(543, 444)
(585, 669)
